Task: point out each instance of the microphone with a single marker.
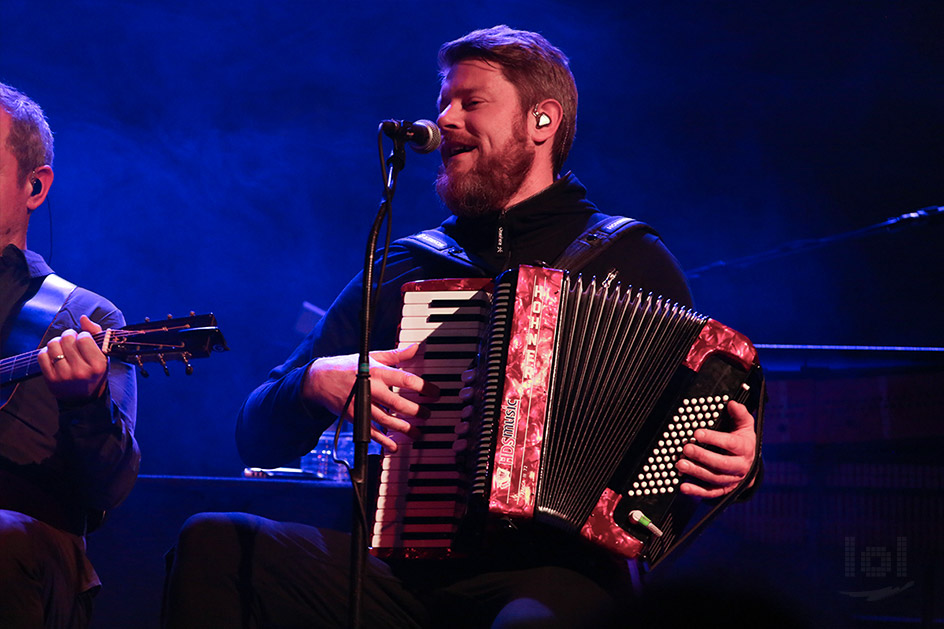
(422, 135)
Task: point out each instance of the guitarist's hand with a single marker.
(74, 365)
(329, 381)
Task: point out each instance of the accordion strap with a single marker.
(595, 240)
(438, 243)
(588, 245)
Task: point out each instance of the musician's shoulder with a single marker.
(83, 301)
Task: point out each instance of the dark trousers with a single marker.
(44, 576)
(241, 571)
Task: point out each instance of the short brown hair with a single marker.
(532, 64)
(30, 138)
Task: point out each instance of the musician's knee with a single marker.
(556, 597)
(203, 528)
(212, 543)
(204, 571)
(526, 612)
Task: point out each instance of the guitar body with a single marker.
(6, 394)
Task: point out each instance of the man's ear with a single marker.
(39, 182)
(545, 119)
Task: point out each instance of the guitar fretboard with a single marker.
(22, 366)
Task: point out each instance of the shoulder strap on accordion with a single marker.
(591, 243)
(436, 242)
(596, 239)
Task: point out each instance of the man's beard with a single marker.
(491, 182)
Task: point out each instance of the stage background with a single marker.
(222, 157)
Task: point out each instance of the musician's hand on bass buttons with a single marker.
(719, 470)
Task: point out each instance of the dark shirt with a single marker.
(59, 462)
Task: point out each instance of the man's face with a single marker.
(486, 152)
(13, 193)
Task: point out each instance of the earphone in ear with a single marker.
(37, 187)
(542, 118)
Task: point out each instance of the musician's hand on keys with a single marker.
(720, 473)
(329, 382)
(73, 364)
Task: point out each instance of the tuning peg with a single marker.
(144, 373)
(147, 319)
(170, 316)
(188, 369)
(160, 357)
(193, 313)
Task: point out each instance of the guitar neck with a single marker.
(178, 339)
(26, 365)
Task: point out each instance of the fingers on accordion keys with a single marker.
(460, 445)
(466, 393)
(468, 376)
(429, 390)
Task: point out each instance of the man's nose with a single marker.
(447, 118)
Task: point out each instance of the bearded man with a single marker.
(508, 116)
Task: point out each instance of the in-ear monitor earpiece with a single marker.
(542, 118)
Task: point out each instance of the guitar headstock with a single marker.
(183, 339)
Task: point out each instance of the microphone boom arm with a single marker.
(922, 216)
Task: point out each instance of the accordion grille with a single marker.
(615, 354)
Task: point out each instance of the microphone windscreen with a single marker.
(426, 136)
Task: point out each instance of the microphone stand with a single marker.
(918, 217)
(362, 416)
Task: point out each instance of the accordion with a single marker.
(562, 401)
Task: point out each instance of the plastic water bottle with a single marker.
(320, 461)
